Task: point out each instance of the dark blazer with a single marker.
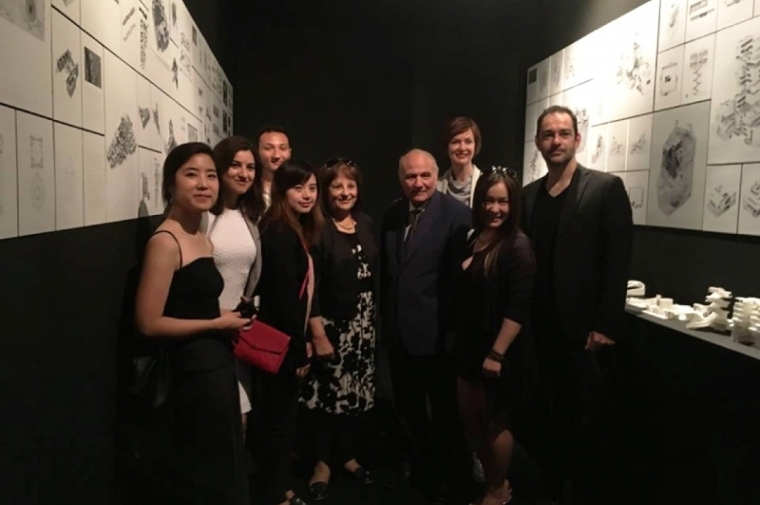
(417, 280)
(279, 287)
(592, 252)
(337, 291)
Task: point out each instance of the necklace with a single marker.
(350, 227)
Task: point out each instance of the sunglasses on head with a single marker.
(503, 171)
(340, 161)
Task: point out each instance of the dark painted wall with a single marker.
(61, 297)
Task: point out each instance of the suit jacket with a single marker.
(280, 305)
(207, 227)
(592, 252)
(417, 279)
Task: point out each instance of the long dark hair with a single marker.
(174, 161)
(308, 226)
(251, 202)
(506, 233)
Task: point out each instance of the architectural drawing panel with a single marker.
(669, 80)
(36, 174)
(68, 71)
(672, 24)
(677, 167)
(731, 12)
(637, 186)
(581, 101)
(701, 18)
(8, 183)
(151, 202)
(102, 20)
(94, 168)
(722, 187)
(93, 100)
(698, 62)
(596, 146)
(70, 7)
(749, 200)
(25, 55)
(639, 143)
(735, 114)
(537, 82)
(617, 146)
(69, 178)
(130, 17)
(577, 61)
(534, 166)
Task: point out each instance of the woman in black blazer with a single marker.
(289, 228)
(341, 387)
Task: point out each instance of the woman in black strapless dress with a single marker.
(493, 346)
(197, 454)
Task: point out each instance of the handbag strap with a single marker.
(304, 284)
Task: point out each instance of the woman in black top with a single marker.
(493, 345)
(196, 438)
(289, 228)
(341, 386)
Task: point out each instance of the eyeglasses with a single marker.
(504, 172)
(340, 161)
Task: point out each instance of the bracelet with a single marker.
(495, 356)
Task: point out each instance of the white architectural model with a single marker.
(746, 321)
(715, 314)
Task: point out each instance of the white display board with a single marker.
(667, 99)
(94, 93)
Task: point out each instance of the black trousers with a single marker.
(333, 436)
(433, 439)
(579, 441)
(278, 401)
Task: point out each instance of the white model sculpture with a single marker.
(745, 327)
(715, 314)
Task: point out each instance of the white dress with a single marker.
(234, 254)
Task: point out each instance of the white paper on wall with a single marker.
(637, 187)
(581, 101)
(597, 147)
(93, 99)
(534, 166)
(735, 114)
(722, 191)
(102, 20)
(25, 55)
(749, 210)
(182, 28)
(122, 120)
(531, 116)
(69, 177)
(94, 165)
(617, 146)
(70, 8)
(672, 24)
(579, 60)
(627, 71)
(131, 14)
(36, 174)
(68, 71)
(701, 18)
(639, 143)
(757, 8)
(731, 12)
(668, 88)
(8, 183)
(698, 62)
(151, 165)
(677, 167)
(538, 83)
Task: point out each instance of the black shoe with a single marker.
(361, 475)
(318, 491)
(399, 478)
(296, 501)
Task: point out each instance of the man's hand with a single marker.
(596, 340)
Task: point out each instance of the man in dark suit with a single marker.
(423, 242)
(581, 225)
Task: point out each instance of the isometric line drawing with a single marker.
(634, 71)
(28, 15)
(752, 201)
(143, 37)
(720, 200)
(636, 196)
(739, 116)
(36, 158)
(700, 9)
(144, 116)
(124, 143)
(598, 149)
(697, 61)
(639, 145)
(160, 26)
(66, 63)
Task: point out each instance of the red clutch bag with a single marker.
(263, 347)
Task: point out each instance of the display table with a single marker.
(690, 427)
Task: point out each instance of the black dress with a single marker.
(198, 442)
(483, 302)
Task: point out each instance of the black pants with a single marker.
(434, 441)
(333, 432)
(579, 442)
(279, 407)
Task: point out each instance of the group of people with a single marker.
(486, 298)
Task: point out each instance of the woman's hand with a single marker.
(491, 367)
(303, 371)
(231, 321)
(324, 349)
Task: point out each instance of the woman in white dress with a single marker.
(232, 228)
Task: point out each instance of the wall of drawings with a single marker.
(94, 94)
(668, 98)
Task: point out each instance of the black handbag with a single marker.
(152, 378)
